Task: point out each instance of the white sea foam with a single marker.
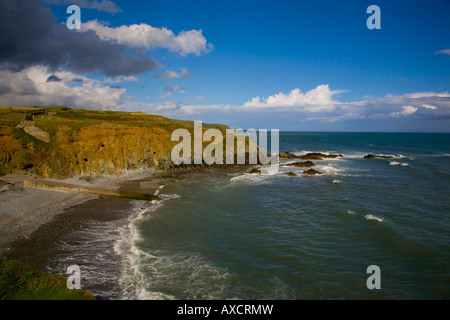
(270, 170)
(393, 156)
(132, 280)
(351, 212)
(143, 272)
(355, 155)
(372, 217)
(169, 196)
(304, 152)
(359, 155)
(337, 181)
(399, 164)
(249, 178)
(282, 163)
(329, 169)
(253, 178)
(159, 190)
(397, 156)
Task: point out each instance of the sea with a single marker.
(227, 234)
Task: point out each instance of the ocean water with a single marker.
(231, 235)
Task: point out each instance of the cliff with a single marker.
(62, 142)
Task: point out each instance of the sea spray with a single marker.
(132, 281)
(372, 217)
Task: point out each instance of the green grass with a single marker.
(76, 119)
(48, 119)
(8, 118)
(19, 281)
(19, 133)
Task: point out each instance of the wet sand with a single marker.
(40, 226)
(24, 211)
(59, 244)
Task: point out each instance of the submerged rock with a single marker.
(290, 174)
(309, 156)
(320, 156)
(288, 155)
(306, 164)
(254, 171)
(374, 156)
(311, 172)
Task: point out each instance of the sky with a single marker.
(263, 64)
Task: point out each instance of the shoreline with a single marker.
(35, 222)
(80, 235)
(25, 210)
(26, 207)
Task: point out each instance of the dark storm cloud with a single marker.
(102, 5)
(4, 88)
(30, 36)
(53, 78)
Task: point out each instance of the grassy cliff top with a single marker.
(48, 119)
(19, 281)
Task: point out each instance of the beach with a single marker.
(50, 230)
(31, 215)
(23, 211)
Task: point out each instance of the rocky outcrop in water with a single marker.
(306, 164)
(311, 172)
(309, 156)
(290, 174)
(379, 156)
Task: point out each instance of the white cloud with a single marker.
(446, 51)
(406, 111)
(418, 95)
(169, 89)
(318, 105)
(335, 118)
(199, 98)
(173, 74)
(121, 79)
(145, 36)
(30, 87)
(315, 100)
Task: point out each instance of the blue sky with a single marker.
(288, 65)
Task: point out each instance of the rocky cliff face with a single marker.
(93, 150)
(88, 144)
(108, 149)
